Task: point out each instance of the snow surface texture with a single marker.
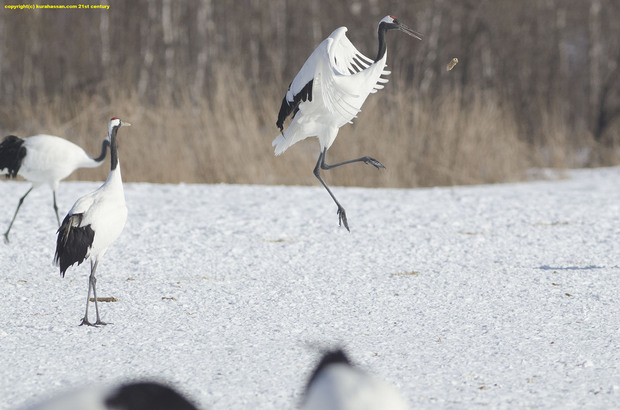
(504, 296)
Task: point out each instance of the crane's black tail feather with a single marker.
(292, 107)
(73, 242)
(12, 153)
(148, 395)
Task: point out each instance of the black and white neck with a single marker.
(382, 45)
(104, 150)
(113, 147)
(391, 23)
(113, 126)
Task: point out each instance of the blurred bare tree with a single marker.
(553, 63)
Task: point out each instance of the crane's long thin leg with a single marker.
(342, 216)
(90, 285)
(21, 201)
(94, 281)
(56, 207)
(366, 160)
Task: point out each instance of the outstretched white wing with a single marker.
(344, 57)
(339, 74)
(347, 77)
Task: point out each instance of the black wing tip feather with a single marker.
(12, 153)
(72, 243)
(286, 108)
(331, 357)
(147, 396)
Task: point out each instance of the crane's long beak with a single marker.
(410, 31)
(125, 124)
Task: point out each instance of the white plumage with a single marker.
(329, 91)
(50, 159)
(337, 385)
(94, 222)
(104, 210)
(44, 159)
(342, 78)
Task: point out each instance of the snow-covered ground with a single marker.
(505, 296)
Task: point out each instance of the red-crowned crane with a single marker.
(336, 384)
(44, 159)
(94, 222)
(329, 91)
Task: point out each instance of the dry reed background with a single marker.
(202, 89)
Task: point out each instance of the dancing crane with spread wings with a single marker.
(328, 92)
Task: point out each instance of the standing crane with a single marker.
(336, 384)
(329, 91)
(94, 222)
(44, 159)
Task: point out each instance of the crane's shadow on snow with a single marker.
(589, 267)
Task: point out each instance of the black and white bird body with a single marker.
(329, 91)
(44, 159)
(140, 395)
(336, 384)
(94, 222)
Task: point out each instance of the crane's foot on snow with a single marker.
(373, 162)
(6, 238)
(342, 218)
(97, 323)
